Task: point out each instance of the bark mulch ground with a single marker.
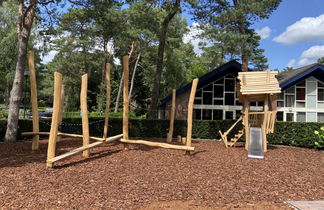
(154, 178)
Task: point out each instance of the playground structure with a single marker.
(58, 103)
(252, 87)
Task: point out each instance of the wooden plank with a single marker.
(179, 139)
(265, 121)
(246, 122)
(108, 90)
(55, 117)
(172, 114)
(125, 99)
(33, 94)
(59, 138)
(83, 148)
(84, 111)
(158, 144)
(190, 111)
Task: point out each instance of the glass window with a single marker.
(207, 98)
(320, 94)
(220, 81)
(229, 98)
(300, 94)
(320, 84)
(252, 103)
(280, 96)
(198, 93)
(280, 116)
(229, 115)
(207, 114)
(218, 91)
(229, 85)
(301, 117)
(238, 113)
(197, 101)
(209, 87)
(290, 100)
(320, 117)
(218, 101)
(229, 76)
(280, 103)
(290, 90)
(218, 114)
(289, 116)
(197, 114)
(300, 104)
(301, 84)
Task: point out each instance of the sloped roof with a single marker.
(207, 78)
(258, 82)
(289, 78)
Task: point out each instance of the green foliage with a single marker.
(320, 138)
(321, 60)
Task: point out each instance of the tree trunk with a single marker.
(159, 62)
(133, 77)
(24, 25)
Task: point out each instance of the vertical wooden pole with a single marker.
(172, 114)
(84, 110)
(246, 121)
(265, 122)
(33, 92)
(190, 112)
(108, 90)
(55, 118)
(125, 99)
(59, 138)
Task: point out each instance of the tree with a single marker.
(228, 24)
(320, 60)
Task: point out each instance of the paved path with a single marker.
(307, 205)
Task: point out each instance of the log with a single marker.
(55, 117)
(179, 139)
(190, 111)
(61, 111)
(158, 144)
(125, 99)
(108, 90)
(265, 122)
(172, 114)
(84, 111)
(33, 94)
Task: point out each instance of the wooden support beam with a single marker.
(108, 90)
(190, 112)
(265, 122)
(59, 138)
(158, 144)
(246, 105)
(125, 99)
(84, 111)
(33, 94)
(55, 117)
(172, 114)
(179, 139)
(83, 148)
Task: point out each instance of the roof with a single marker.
(258, 82)
(231, 66)
(294, 76)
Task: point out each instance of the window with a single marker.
(300, 94)
(280, 116)
(218, 114)
(209, 87)
(197, 101)
(320, 117)
(238, 114)
(218, 91)
(290, 100)
(229, 115)
(198, 93)
(207, 98)
(229, 85)
(320, 92)
(229, 98)
(207, 114)
(197, 114)
(280, 100)
(289, 116)
(301, 117)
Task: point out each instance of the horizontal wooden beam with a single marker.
(83, 148)
(158, 144)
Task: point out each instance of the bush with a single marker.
(320, 134)
(286, 133)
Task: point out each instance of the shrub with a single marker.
(320, 141)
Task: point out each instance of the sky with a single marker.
(292, 36)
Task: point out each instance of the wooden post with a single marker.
(172, 114)
(84, 111)
(125, 99)
(55, 118)
(179, 139)
(265, 122)
(190, 112)
(59, 138)
(108, 90)
(246, 121)
(184, 140)
(33, 92)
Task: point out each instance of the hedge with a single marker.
(299, 134)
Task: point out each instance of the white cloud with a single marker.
(264, 32)
(308, 56)
(305, 30)
(192, 36)
(49, 56)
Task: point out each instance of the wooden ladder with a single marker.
(235, 138)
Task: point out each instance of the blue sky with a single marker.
(302, 43)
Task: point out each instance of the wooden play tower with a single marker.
(255, 87)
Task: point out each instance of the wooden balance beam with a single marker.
(158, 144)
(50, 162)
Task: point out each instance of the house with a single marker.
(301, 99)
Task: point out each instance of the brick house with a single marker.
(301, 99)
